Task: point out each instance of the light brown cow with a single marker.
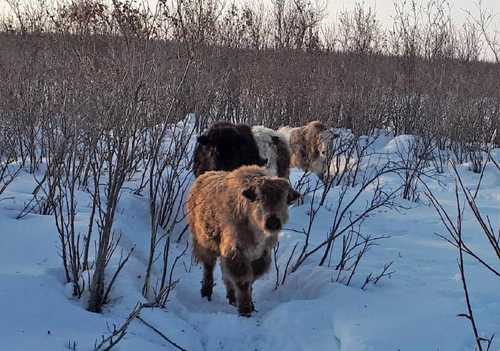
(237, 215)
(309, 146)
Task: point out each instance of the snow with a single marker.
(414, 309)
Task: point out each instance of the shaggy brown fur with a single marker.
(309, 146)
(237, 215)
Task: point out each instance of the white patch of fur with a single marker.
(265, 241)
(267, 149)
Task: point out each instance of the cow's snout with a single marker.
(273, 223)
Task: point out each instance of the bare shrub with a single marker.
(296, 23)
(10, 165)
(169, 175)
(346, 224)
(47, 143)
(117, 333)
(359, 31)
(113, 161)
(455, 238)
(485, 20)
(74, 247)
(346, 157)
(413, 158)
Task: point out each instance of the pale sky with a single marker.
(384, 8)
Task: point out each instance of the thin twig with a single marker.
(163, 336)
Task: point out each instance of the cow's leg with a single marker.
(208, 258)
(238, 271)
(244, 298)
(230, 293)
(262, 264)
(207, 283)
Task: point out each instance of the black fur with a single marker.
(261, 265)
(250, 194)
(236, 265)
(283, 161)
(226, 147)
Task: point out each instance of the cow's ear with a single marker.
(250, 194)
(203, 140)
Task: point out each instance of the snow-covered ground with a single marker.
(415, 309)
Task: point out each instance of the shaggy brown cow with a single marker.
(237, 215)
(309, 146)
(224, 147)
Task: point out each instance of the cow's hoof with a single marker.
(206, 292)
(231, 298)
(246, 310)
